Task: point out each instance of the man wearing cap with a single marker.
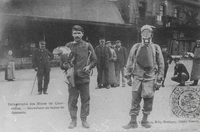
(181, 74)
(120, 62)
(167, 60)
(103, 55)
(195, 74)
(145, 65)
(83, 51)
(41, 62)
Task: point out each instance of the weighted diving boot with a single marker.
(85, 124)
(132, 123)
(144, 121)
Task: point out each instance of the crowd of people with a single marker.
(111, 61)
(145, 69)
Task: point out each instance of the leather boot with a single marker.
(132, 123)
(163, 85)
(145, 122)
(85, 124)
(194, 83)
(72, 124)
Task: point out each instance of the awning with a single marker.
(82, 10)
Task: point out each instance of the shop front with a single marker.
(26, 22)
(179, 40)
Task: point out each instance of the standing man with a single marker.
(41, 62)
(195, 74)
(103, 56)
(120, 62)
(167, 60)
(81, 49)
(146, 65)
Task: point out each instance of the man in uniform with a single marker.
(146, 64)
(81, 50)
(41, 62)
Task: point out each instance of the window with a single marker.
(162, 10)
(176, 12)
(142, 9)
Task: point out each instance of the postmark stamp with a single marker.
(185, 102)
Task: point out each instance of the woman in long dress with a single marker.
(112, 77)
(10, 67)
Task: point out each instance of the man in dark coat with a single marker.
(41, 62)
(120, 63)
(195, 73)
(181, 74)
(82, 68)
(167, 60)
(103, 56)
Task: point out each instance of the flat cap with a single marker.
(102, 38)
(42, 42)
(118, 41)
(177, 59)
(164, 46)
(107, 42)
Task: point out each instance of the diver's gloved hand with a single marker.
(129, 81)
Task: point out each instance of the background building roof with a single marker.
(83, 10)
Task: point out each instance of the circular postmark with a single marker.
(185, 102)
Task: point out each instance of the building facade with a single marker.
(23, 23)
(177, 21)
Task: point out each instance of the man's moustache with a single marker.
(77, 37)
